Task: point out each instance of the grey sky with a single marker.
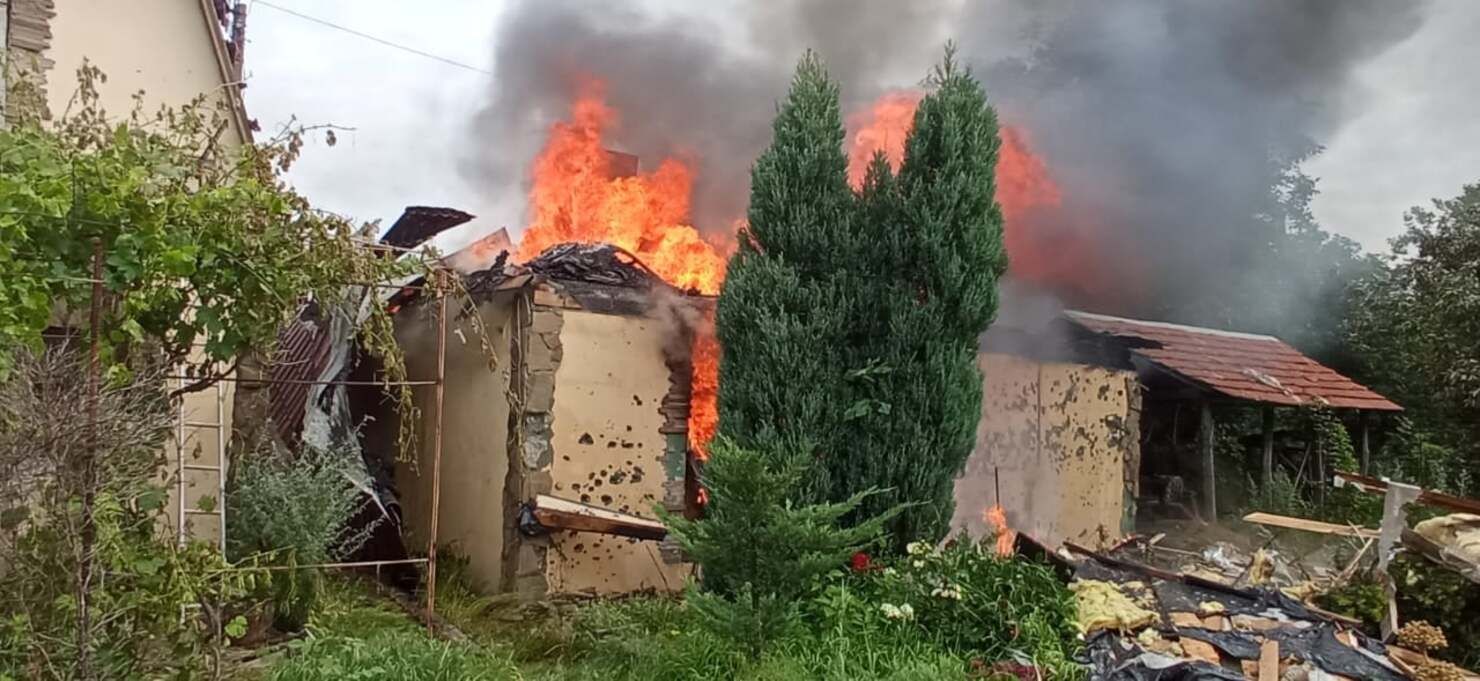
(1415, 139)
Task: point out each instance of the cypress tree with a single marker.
(850, 321)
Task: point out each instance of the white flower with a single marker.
(948, 592)
(898, 612)
(890, 572)
(917, 564)
(917, 548)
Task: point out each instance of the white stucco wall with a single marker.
(162, 47)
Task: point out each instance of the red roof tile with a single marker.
(1242, 366)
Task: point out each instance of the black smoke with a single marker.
(1167, 123)
(1171, 124)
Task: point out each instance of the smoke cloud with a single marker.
(1165, 124)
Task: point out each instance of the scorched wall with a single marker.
(1059, 440)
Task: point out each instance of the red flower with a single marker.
(860, 562)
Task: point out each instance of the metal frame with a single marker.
(439, 385)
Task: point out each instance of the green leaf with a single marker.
(151, 499)
(237, 627)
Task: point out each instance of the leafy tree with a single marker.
(1415, 323)
(850, 321)
(205, 246)
(204, 253)
(1292, 282)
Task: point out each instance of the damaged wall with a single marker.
(1062, 438)
(573, 412)
(474, 431)
(609, 451)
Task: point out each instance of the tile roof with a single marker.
(1242, 366)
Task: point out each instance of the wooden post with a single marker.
(1267, 464)
(438, 391)
(89, 472)
(1364, 428)
(1205, 437)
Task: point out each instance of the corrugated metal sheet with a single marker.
(1238, 365)
(420, 223)
(302, 351)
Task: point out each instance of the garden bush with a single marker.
(293, 508)
(966, 601)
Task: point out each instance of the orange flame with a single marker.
(704, 395)
(1026, 190)
(882, 127)
(996, 518)
(577, 196)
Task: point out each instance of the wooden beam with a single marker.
(561, 514)
(1267, 464)
(1205, 441)
(1305, 525)
(1364, 443)
(1373, 485)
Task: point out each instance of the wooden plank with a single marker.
(1306, 525)
(1269, 661)
(1200, 650)
(562, 514)
(1373, 485)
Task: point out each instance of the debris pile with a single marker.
(1143, 622)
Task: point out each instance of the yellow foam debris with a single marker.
(1102, 605)
(1210, 608)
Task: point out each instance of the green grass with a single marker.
(357, 636)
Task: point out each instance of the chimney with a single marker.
(622, 163)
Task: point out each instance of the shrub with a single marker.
(139, 585)
(1444, 598)
(146, 585)
(1363, 599)
(971, 603)
(759, 551)
(850, 320)
(294, 508)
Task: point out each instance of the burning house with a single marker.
(564, 423)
